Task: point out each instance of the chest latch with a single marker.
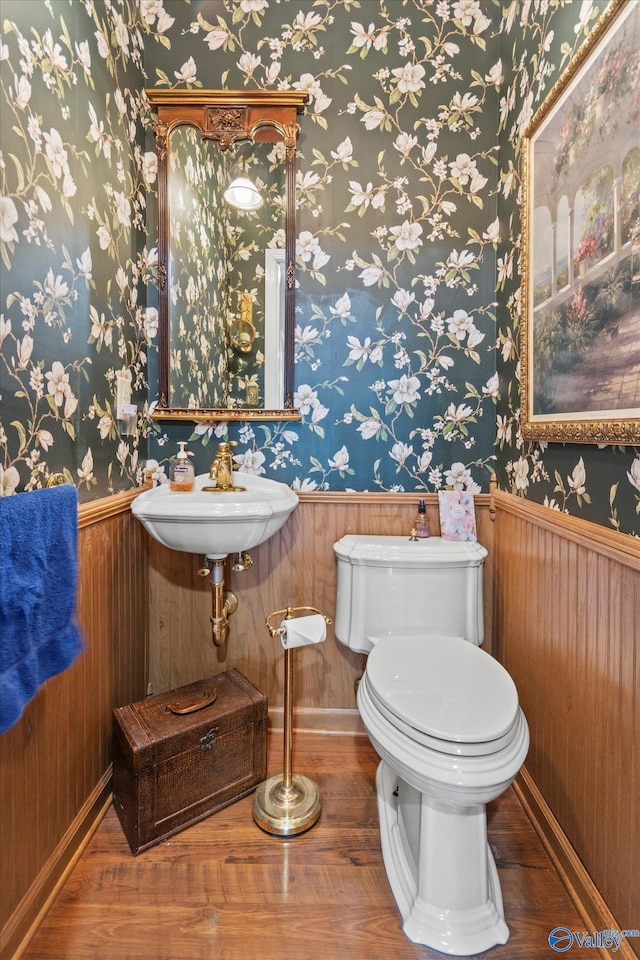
(207, 741)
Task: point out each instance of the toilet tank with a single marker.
(393, 586)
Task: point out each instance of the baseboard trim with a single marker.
(583, 892)
(319, 720)
(25, 920)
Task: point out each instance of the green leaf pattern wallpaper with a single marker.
(75, 259)
(408, 243)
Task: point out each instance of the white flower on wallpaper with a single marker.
(250, 462)
(8, 220)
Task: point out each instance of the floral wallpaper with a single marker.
(408, 240)
(75, 259)
(397, 232)
(601, 484)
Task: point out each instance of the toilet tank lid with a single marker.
(401, 551)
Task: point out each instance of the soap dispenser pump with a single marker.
(181, 472)
(421, 522)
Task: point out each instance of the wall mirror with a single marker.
(226, 253)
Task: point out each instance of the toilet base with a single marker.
(440, 869)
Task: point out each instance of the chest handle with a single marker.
(205, 700)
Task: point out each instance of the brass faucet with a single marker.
(221, 471)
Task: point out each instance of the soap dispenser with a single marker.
(421, 522)
(181, 472)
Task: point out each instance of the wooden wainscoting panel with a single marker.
(567, 628)
(55, 758)
(595, 914)
(297, 566)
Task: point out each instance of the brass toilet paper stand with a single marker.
(288, 803)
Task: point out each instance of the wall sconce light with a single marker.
(242, 193)
(242, 335)
(242, 332)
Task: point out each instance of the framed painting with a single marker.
(580, 335)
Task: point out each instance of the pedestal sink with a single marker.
(216, 522)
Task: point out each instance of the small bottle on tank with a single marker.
(421, 522)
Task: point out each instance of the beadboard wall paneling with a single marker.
(567, 628)
(55, 760)
(295, 567)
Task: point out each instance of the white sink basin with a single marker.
(216, 523)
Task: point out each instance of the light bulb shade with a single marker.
(243, 194)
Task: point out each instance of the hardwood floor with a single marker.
(225, 889)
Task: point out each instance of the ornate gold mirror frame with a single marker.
(228, 117)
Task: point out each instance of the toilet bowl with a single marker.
(444, 717)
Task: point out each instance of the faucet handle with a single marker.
(224, 448)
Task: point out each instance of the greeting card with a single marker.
(457, 515)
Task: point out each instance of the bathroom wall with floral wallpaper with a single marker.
(408, 240)
(75, 257)
(601, 484)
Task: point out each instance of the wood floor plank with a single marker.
(225, 889)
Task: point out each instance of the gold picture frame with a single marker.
(580, 331)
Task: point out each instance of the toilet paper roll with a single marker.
(302, 631)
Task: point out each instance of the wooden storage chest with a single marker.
(178, 757)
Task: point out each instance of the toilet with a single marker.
(444, 717)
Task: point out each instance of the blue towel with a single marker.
(38, 577)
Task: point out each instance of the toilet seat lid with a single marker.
(443, 687)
